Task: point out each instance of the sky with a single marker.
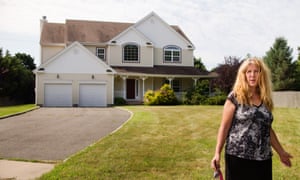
(217, 28)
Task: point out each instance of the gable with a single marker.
(131, 35)
(75, 59)
(162, 34)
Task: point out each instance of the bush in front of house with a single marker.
(199, 95)
(119, 101)
(164, 96)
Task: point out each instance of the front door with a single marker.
(130, 88)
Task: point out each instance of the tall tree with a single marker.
(297, 72)
(227, 73)
(16, 78)
(198, 64)
(279, 59)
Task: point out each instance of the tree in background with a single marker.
(227, 74)
(199, 64)
(16, 77)
(279, 59)
(297, 72)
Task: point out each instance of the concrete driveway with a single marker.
(53, 134)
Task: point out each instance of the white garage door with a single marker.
(58, 95)
(92, 95)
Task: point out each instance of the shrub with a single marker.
(118, 101)
(216, 100)
(149, 98)
(164, 96)
(199, 95)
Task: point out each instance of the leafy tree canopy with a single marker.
(16, 77)
(279, 59)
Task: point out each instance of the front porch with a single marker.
(131, 83)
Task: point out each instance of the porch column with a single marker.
(170, 79)
(124, 86)
(143, 90)
(195, 81)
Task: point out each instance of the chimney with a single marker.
(42, 21)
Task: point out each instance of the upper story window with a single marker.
(131, 53)
(172, 54)
(100, 53)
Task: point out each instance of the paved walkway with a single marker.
(52, 134)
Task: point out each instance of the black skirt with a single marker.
(244, 169)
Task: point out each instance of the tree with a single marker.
(198, 64)
(297, 72)
(279, 59)
(16, 77)
(227, 74)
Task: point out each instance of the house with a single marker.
(89, 63)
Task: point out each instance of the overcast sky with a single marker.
(218, 28)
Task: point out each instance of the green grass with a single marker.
(169, 142)
(10, 110)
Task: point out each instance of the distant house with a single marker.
(89, 63)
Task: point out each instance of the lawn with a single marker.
(170, 142)
(9, 110)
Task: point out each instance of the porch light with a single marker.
(57, 76)
(93, 77)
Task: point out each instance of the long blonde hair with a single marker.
(241, 88)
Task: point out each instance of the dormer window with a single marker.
(172, 54)
(131, 53)
(100, 53)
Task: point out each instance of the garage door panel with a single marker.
(57, 95)
(92, 95)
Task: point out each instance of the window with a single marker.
(131, 53)
(172, 54)
(175, 84)
(100, 53)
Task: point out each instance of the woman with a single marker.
(246, 126)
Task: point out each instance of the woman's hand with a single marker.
(215, 162)
(285, 158)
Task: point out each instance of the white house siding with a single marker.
(186, 58)
(116, 59)
(49, 51)
(161, 33)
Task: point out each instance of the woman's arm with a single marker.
(227, 116)
(284, 156)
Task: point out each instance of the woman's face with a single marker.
(252, 75)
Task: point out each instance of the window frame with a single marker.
(172, 49)
(178, 84)
(137, 60)
(99, 54)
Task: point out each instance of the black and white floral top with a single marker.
(249, 135)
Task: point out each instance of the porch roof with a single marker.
(163, 71)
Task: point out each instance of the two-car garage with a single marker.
(64, 95)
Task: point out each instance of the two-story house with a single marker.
(89, 63)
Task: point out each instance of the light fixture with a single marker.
(113, 42)
(57, 76)
(93, 77)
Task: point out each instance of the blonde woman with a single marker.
(246, 126)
